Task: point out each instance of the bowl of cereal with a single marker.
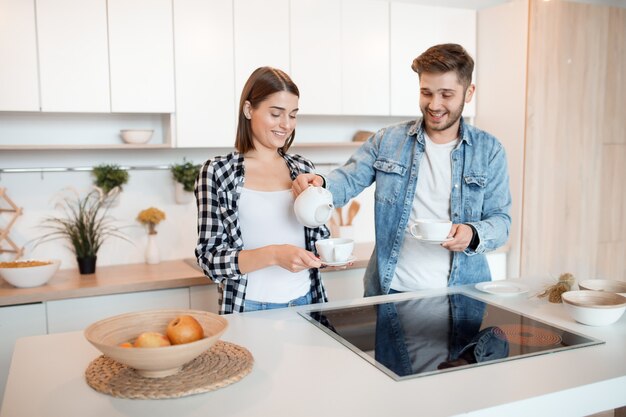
(29, 273)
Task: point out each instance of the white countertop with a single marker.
(301, 371)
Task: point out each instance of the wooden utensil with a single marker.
(352, 211)
(339, 215)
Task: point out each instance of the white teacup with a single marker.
(335, 250)
(314, 206)
(431, 229)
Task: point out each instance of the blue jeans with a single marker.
(251, 305)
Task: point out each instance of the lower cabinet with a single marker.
(78, 313)
(15, 322)
(204, 297)
(344, 285)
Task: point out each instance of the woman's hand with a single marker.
(295, 259)
(289, 257)
(303, 181)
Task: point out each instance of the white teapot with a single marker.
(314, 206)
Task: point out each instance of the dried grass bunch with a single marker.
(85, 224)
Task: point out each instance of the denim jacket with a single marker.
(479, 196)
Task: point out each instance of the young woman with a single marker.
(249, 241)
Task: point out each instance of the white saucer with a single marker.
(506, 287)
(433, 241)
(342, 263)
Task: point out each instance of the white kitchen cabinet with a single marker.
(19, 84)
(415, 28)
(15, 322)
(74, 69)
(141, 53)
(78, 313)
(365, 57)
(261, 37)
(344, 285)
(316, 55)
(204, 297)
(205, 93)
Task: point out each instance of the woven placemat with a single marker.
(225, 363)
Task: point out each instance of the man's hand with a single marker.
(462, 236)
(303, 181)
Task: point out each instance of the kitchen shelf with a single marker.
(79, 147)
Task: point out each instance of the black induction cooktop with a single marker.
(424, 336)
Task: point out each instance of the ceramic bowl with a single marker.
(22, 274)
(608, 285)
(107, 334)
(594, 308)
(136, 136)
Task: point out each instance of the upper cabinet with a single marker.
(19, 88)
(261, 35)
(141, 50)
(365, 57)
(205, 93)
(73, 55)
(316, 55)
(414, 29)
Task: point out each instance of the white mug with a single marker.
(335, 249)
(431, 229)
(314, 206)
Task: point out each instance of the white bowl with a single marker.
(29, 276)
(107, 334)
(594, 308)
(136, 136)
(608, 285)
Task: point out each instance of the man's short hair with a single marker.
(445, 58)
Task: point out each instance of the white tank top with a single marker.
(424, 265)
(267, 218)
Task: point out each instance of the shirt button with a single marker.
(456, 185)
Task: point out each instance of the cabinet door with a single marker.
(316, 55)
(78, 313)
(141, 50)
(414, 29)
(19, 83)
(18, 321)
(73, 55)
(261, 37)
(365, 57)
(205, 94)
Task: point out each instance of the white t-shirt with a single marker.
(267, 218)
(425, 265)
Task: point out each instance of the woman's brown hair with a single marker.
(444, 58)
(263, 82)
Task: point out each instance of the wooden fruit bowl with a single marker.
(107, 334)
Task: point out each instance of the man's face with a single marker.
(442, 98)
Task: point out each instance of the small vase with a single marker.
(152, 250)
(87, 265)
(181, 196)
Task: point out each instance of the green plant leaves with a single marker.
(186, 174)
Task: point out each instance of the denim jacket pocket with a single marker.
(475, 187)
(389, 182)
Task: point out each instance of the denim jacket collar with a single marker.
(418, 129)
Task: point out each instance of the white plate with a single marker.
(502, 287)
(433, 241)
(342, 263)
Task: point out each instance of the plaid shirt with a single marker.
(217, 191)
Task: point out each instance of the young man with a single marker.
(434, 167)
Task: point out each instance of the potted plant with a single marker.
(85, 225)
(151, 217)
(184, 175)
(110, 178)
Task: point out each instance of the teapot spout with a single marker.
(323, 213)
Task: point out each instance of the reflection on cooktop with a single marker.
(425, 336)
